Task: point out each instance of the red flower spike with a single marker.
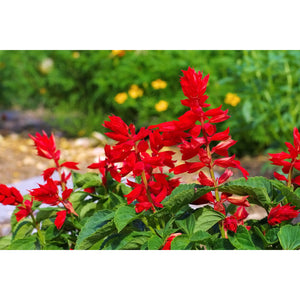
(194, 87)
(280, 213)
(296, 135)
(60, 218)
(46, 146)
(167, 245)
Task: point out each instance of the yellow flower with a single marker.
(43, 91)
(119, 53)
(158, 84)
(161, 105)
(135, 92)
(232, 99)
(76, 54)
(121, 98)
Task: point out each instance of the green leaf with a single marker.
(22, 229)
(29, 243)
(292, 197)
(184, 194)
(5, 242)
(86, 180)
(272, 235)
(155, 242)
(124, 215)
(206, 218)
(137, 239)
(258, 188)
(77, 199)
(51, 233)
(45, 213)
(180, 242)
(200, 236)
(241, 240)
(289, 237)
(95, 228)
(87, 208)
(187, 224)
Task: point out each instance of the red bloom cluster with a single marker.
(196, 135)
(11, 196)
(232, 222)
(280, 159)
(280, 213)
(48, 193)
(133, 155)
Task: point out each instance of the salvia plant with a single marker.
(135, 198)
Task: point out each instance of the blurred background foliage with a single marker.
(79, 89)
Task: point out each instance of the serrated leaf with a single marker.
(258, 188)
(155, 242)
(180, 242)
(124, 215)
(200, 236)
(241, 240)
(187, 224)
(89, 241)
(291, 196)
(137, 240)
(184, 194)
(206, 218)
(289, 237)
(94, 228)
(29, 243)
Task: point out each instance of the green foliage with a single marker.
(289, 237)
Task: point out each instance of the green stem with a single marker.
(40, 235)
(145, 221)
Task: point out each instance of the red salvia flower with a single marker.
(280, 159)
(194, 87)
(24, 210)
(47, 193)
(280, 213)
(46, 146)
(10, 195)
